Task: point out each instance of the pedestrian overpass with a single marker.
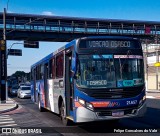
(63, 29)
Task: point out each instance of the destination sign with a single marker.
(105, 43)
(108, 44)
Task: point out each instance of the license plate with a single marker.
(117, 113)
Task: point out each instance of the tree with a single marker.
(21, 76)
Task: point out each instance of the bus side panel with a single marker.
(36, 90)
(58, 92)
(32, 91)
(51, 100)
(40, 92)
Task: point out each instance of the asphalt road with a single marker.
(28, 115)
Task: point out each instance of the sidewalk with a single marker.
(8, 106)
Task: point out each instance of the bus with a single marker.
(92, 79)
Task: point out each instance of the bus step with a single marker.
(70, 118)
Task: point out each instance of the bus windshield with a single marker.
(109, 71)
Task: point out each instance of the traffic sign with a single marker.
(15, 52)
(157, 64)
(31, 44)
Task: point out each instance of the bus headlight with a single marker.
(144, 97)
(89, 106)
(85, 104)
(81, 102)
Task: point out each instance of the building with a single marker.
(152, 73)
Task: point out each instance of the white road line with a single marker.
(6, 122)
(150, 97)
(4, 115)
(8, 125)
(5, 119)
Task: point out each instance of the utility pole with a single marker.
(3, 60)
(146, 62)
(157, 60)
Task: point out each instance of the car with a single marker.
(9, 86)
(14, 90)
(21, 84)
(24, 92)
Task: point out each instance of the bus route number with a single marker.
(133, 102)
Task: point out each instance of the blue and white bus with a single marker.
(92, 79)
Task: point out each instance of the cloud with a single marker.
(8, 11)
(48, 13)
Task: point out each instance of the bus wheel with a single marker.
(41, 109)
(65, 121)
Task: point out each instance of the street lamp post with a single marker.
(157, 60)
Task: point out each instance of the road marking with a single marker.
(6, 121)
(150, 97)
(153, 97)
(8, 125)
(3, 117)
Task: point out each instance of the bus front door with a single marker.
(68, 83)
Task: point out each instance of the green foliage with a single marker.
(20, 74)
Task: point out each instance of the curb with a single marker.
(7, 110)
(153, 91)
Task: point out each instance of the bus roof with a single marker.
(45, 59)
(109, 37)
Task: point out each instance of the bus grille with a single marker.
(109, 112)
(115, 93)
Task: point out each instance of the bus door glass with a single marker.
(45, 82)
(69, 80)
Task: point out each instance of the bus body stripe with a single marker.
(100, 104)
(77, 104)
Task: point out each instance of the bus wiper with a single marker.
(122, 65)
(78, 70)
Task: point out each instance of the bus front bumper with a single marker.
(85, 115)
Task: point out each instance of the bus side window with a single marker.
(59, 66)
(53, 69)
(37, 73)
(31, 75)
(42, 71)
(50, 69)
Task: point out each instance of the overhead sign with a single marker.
(31, 44)
(157, 64)
(15, 52)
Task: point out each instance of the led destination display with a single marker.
(108, 44)
(113, 44)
